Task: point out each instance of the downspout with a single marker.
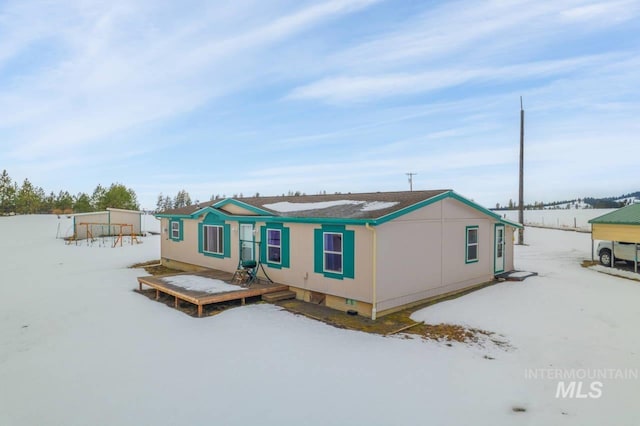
(374, 289)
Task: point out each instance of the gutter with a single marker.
(374, 270)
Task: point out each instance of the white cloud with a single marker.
(603, 13)
(360, 88)
(118, 69)
(166, 97)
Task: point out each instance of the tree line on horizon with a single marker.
(591, 202)
(30, 199)
(183, 199)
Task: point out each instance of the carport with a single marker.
(622, 225)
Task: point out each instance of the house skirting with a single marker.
(363, 308)
(331, 301)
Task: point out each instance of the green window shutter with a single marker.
(285, 245)
(285, 248)
(317, 251)
(181, 237)
(200, 238)
(348, 251)
(263, 245)
(227, 240)
(348, 254)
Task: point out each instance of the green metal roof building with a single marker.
(619, 225)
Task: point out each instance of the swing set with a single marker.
(96, 230)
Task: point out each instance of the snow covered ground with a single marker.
(79, 347)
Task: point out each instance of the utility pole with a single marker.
(521, 189)
(410, 174)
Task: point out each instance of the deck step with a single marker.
(279, 295)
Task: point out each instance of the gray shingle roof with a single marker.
(349, 206)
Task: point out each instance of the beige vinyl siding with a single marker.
(237, 210)
(126, 217)
(300, 274)
(186, 251)
(422, 254)
(509, 236)
(615, 232)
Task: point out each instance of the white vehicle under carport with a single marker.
(628, 252)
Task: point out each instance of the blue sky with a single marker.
(342, 95)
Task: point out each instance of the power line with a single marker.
(411, 175)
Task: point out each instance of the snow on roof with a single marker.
(377, 205)
(197, 283)
(287, 207)
(369, 205)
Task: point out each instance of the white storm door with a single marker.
(498, 265)
(246, 241)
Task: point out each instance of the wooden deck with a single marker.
(202, 298)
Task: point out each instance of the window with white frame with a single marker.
(212, 239)
(332, 252)
(175, 230)
(472, 244)
(274, 245)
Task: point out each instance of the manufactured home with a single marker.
(373, 253)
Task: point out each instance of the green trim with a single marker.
(348, 251)
(323, 220)
(213, 220)
(240, 204)
(466, 244)
(170, 216)
(285, 243)
(614, 223)
(413, 207)
(495, 248)
(440, 197)
(484, 210)
(180, 230)
(220, 213)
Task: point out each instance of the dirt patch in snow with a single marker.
(392, 324)
(397, 323)
(154, 267)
